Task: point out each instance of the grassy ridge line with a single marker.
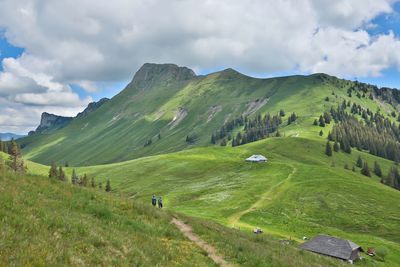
(118, 130)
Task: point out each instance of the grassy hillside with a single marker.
(154, 104)
(50, 223)
(299, 192)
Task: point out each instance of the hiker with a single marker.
(160, 202)
(154, 200)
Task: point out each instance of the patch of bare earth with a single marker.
(180, 114)
(211, 251)
(212, 111)
(253, 106)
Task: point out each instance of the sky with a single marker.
(58, 56)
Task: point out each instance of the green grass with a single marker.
(51, 223)
(299, 192)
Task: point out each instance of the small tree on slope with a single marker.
(328, 149)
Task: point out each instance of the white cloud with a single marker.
(88, 42)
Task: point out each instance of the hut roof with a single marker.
(331, 246)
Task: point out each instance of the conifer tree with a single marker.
(359, 162)
(321, 121)
(16, 163)
(61, 174)
(346, 166)
(100, 185)
(353, 169)
(53, 173)
(282, 113)
(365, 170)
(84, 180)
(92, 182)
(321, 133)
(315, 123)
(328, 149)
(213, 139)
(223, 142)
(377, 169)
(74, 177)
(108, 186)
(336, 147)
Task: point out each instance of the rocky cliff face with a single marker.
(150, 73)
(92, 107)
(50, 122)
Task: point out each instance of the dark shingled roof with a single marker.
(331, 246)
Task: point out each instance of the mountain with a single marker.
(51, 122)
(93, 106)
(9, 136)
(167, 108)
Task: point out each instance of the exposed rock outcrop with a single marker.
(51, 122)
(150, 73)
(92, 107)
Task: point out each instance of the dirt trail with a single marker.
(211, 251)
(234, 219)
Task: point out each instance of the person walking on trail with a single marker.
(160, 202)
(154, 200)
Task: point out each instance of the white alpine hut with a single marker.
(257, 158)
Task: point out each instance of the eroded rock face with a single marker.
(50, 121)
(92, 107)
(150, 73)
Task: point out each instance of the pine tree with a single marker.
(328, 149)
(84, 180)
(223, 142)
(321, 121)
(321, 133)
(16, 163)
(278, 134)
(315, 123)
(61, 174)
(377, 169)
(53, 173)
(353, 169)
(108, 186)
(336, 147)
(213, 139)
(359, 162)
(92, 182)
(365, 170)
(282, 113)
(100, 185)
(74, 177)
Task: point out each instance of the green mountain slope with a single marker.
(167, 103)
(299, 192)
(50, 223)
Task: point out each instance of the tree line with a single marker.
(373, 132)
(15, 161)
(254, 129)
(58, 173)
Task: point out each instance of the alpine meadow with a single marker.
(200, 165)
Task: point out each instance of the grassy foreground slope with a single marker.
(167, 101)
(50, 223)
(299, 192)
